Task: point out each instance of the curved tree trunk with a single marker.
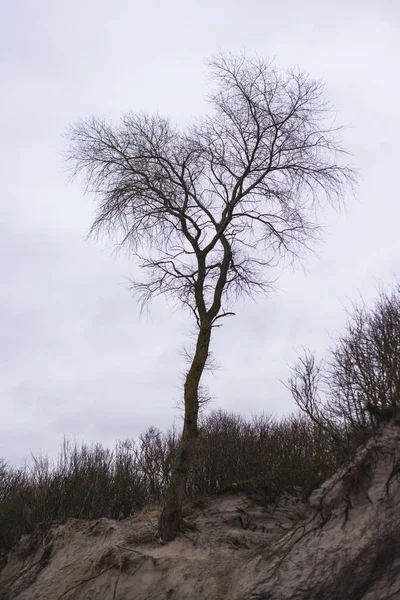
(170, 519)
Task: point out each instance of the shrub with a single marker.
(90, 482)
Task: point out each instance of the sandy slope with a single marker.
(343, 544)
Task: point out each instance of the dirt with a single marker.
(341, 543)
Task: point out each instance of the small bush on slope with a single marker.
(90, 482)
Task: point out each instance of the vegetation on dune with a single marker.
(342, 400)
(90, 482)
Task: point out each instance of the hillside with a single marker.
(243, 544)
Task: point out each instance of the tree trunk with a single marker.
(170, 519)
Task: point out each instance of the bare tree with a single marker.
(209, 210)
(309, 385)
(358, 385)
(364, 367)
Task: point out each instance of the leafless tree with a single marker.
(309, 385)
(365, 363)
(358, 385)
(208, 211)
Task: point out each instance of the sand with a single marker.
(342, 542)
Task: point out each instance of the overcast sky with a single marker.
(76, 358)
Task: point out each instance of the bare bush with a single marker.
(90, 482)
(357, 386)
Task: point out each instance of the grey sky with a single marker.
(75, 357)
